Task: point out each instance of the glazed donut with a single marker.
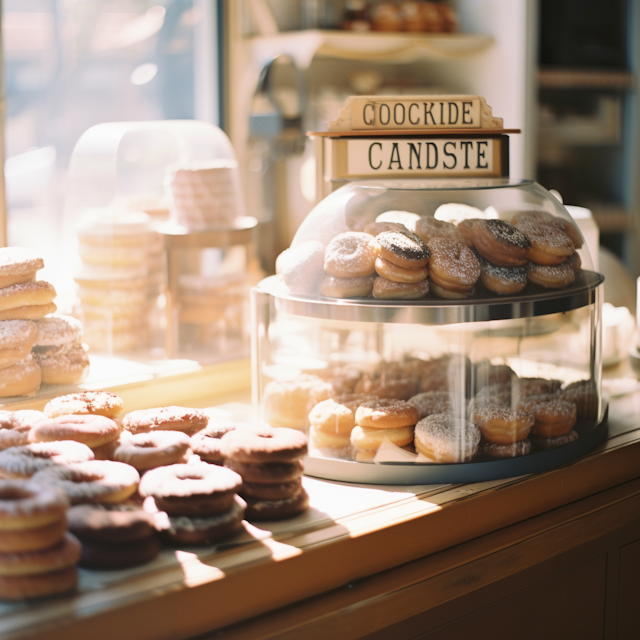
(259, 510)
(393, 272)
(43, 537)
(584, 394)
(465, 229)
(430, 402)
(504, 281)
(372, 437)
(27, 460)
(493, 450)
(501, 243)
(65, 554)
(337, 415)
(25, 504)
(549, 245)
(150, 450)
(386, 414)
(92, 430)
(191, 489)
(181, 530)
(267, 472)
(287, 403)
(406, 250)
(351, 254)
(552, 443)
(260, 491)
(110, 523)
(302, 267)
(443, 438)
(327, 440)
(553, 416)
(189, 421)
(502, 425)
(552, 277)
(100, 403)
(27, 294)
(376, 228)
(18, 265)
(16, 588)
(20, 379)
(385, 289)
(92, 481)
(428, 228)
(17, 337)
(262, 444)
(360, 287)
(453, 268)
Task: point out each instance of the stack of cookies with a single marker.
(37, 554)
(193, 503)
(22, 299)
(269, 462)
(113, 536)
(382, 420)
(120, 280)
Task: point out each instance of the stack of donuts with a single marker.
(38, 555)
(389, 260)
(269, 462)
(120, 280)
(22, 299)
(193, 503)
(382, 420)
(113, 536)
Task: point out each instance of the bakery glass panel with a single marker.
(435, 387)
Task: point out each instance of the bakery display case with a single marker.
(472, 359)
(163, 247)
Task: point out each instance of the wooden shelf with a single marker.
(302, 46)
(584, 79)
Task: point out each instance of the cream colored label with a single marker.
(394, 157)
(394, 113)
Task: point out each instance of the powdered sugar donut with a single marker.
(385, 289)
(26, 294)
(100, 403)
(428, 228)
(551, 276)
(66, 364)
(18, 265)
(444, 438)
(386, 414)
(549, 245)
(58, 330)
(351, 254)
(92, 430)
(25, 461)
(453, 268)
(501, 243)
(155, 449)
(360, 287)
(17, 337)
(302, 267)
(166, 418)
(553, 416)
(92, 481)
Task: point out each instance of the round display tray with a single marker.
(482, 307)
(403, 473)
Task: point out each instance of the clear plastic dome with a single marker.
(489, 342)
(144, 193)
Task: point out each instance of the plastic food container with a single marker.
(499, 382)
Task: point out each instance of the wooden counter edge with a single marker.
(314, 564)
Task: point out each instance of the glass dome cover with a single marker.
(433, 208)
(320, 355)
